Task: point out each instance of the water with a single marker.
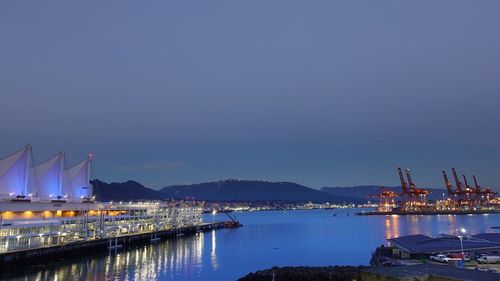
(267, 239)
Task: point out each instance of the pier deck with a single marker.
(37, 255)
(429, 212)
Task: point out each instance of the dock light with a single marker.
(462, 230)
(31, 194)
(51, 195)
(11, 194)
(214, 212)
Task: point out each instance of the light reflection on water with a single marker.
(266, 239)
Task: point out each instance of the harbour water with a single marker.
(268, 238)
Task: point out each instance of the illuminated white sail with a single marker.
(14, 173)
(77, 180)
(46, 178)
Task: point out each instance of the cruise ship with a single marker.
(48, 205)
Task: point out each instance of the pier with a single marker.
(429, 212)
(39, 255)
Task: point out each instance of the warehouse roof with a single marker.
(426, 245)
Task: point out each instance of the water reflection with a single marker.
(213, 253)
(392, 226)
(179, 259)
(266, 240)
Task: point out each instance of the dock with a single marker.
(40, 255)
(429, 212)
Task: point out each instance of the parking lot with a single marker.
(472, 265)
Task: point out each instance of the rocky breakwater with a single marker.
(296, 273)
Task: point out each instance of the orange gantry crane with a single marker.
(386, 199)
(483, 195)
(452, 194)
(415, 197)
(467, 194)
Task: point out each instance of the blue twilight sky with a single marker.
(323, 93)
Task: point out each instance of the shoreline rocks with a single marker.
(301, 273)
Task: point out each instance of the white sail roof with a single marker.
(46, 178)
(77, 180)
(14, 173)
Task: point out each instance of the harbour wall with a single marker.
(429, 212)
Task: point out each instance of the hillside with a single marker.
(226, 190)
(125, 191)
(251, 190)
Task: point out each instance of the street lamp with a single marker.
(461, 231)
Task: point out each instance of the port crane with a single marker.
(403, 183)
(457, 181)
(416, 191)
(484, 194)
(411, 191)
(467, 194)
(452, 194)
(470, 192)
(386, 199)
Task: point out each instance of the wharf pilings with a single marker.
(42, 254)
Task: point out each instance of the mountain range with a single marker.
(253, 190)
(240, 190)
(124, 191)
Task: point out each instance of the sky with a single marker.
(322, 93)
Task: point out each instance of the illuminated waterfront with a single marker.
(314, 237)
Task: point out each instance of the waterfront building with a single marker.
(46, 205)
(418, 245)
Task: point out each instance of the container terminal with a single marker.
(47, 210)
(460, 199)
